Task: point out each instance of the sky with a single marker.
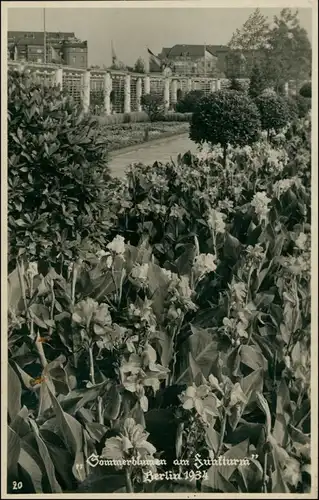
(133, 30)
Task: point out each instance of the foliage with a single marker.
(283, 49)
(153, 105)
(177, 117)
(236, 85)
(225, 117)
(184, 336)
(236, 64)
(305, 90)
(289, 56)
(258, 82)
(252, 35)
(189, 101)
(274, 112)
(139, 66)
(299, 106)
(56, 172)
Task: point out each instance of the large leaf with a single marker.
(60, 457)
(13, 452)
(283, 412)
(204, 350)
(252, 357)
(214, 481)
(14, 393)
(252, 384)
(31, 462)
(48, 464)
(71, 430)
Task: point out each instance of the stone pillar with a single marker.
(166, 93)
(139, 93)
(147, 85)
(127, 94)
(218, 84)
(107, 93)
(59, 77)
(286, 89)
(189, 84)
(86, 91)
(193, 85)
(174, 92)
(213, 85)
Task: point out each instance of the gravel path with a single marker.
(161, 150)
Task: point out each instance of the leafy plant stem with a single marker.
(100, 410)
(74, 277)
(264, 485)
(92, 374)
(39, 347)
(128, 481)
(222, 434)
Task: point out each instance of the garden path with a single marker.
(161, 150)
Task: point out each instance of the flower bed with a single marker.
(184, 342)
(129, 134)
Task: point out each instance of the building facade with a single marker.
(216, 61)
(61, 48)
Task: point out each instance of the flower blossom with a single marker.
(216, 221)
(140, 273)
(132, 441)
(260, 203)
(204, 264)
(117, 245)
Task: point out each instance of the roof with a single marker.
(37, 37)
(192, 50)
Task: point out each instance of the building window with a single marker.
(73, 59)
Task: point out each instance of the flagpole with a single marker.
(44, 39)
(205, 59)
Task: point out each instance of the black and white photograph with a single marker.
(159, 256)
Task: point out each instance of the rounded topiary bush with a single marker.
(274, 112)
(188, 102)
(225, 117)
(305, 90)
(57, 172)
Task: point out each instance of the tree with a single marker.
(236, 64)
(274, 112)
(253, 35)
(257, 83)
(153, 105)
(225, 117)
(289, 56)
(139, 66)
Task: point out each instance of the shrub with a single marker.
(235, 85)
(153, 105)
(177, 117)
(225, 117)
(189, 102)
(56, 172)
(305, 90)
(257, 82)
(303, 105)
(274, 112)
